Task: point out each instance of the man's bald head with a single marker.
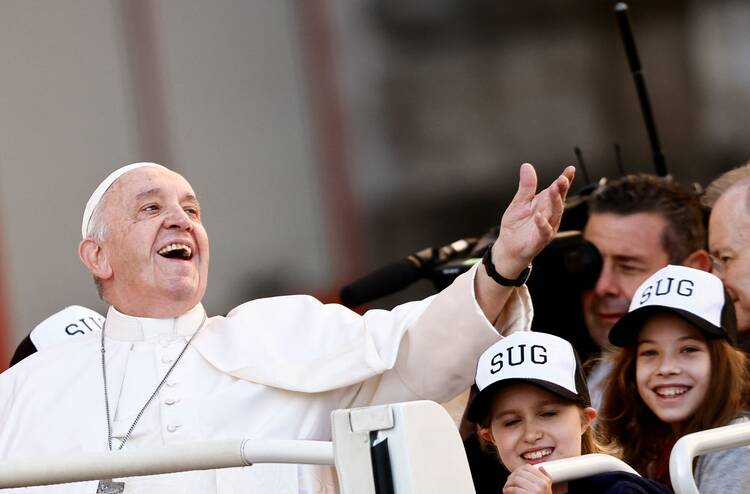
(736, 178)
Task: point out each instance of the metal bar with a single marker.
(621, 9)
(578, 467)
(700, 443)
(181, 457)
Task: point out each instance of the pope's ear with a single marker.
(94, 258)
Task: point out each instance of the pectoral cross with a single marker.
(107, 486)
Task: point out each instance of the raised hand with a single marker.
(530, 221)
(528, 224)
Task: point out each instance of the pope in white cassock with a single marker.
(271, 369)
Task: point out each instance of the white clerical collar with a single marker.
(130, 328)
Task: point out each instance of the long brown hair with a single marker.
(626, 422)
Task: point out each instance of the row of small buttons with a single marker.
(171, 383)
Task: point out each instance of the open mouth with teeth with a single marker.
(671, 391)
(176, 251)
(537, 455)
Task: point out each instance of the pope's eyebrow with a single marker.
(148, 193)
(192, 198)
(157, 191)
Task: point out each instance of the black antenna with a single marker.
(621, 9)
(579, 157)
(618, 160)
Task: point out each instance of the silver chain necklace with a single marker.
(107, 486)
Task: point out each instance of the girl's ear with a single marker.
(588, 415)
(486, 434)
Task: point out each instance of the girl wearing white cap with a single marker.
(533, 406)
(678, 372)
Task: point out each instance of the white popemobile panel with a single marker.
(425, 450)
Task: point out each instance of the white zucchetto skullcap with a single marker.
(96, 197)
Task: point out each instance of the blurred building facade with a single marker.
(327, 137)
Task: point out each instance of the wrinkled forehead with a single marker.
(149, 182)
(729, 223)
(735, 201)
(120, 184)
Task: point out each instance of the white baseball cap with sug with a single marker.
(541, 359)
(697, 296)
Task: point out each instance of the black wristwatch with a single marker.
(489, 266)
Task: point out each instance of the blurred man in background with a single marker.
(729, 240)
(639, 224)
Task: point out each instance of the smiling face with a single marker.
(153, 259)
(632, 250)
(530, 425)
(673, 367)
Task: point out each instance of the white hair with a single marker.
(97, 230)
(97, 227)
(733, 179)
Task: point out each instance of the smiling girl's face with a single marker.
(530, 425)
(673, 367)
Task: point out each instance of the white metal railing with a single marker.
(425, 454)
(700, 443)
(579, 467)
(205, 455)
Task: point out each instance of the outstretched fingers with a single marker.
(565, 180)
(552, 200)
(546, 229)
(560, 187)
(569, 173)
(527, 183)
(532, 218)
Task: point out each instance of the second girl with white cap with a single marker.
(678, 371)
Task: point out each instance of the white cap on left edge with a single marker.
(72, 320)
(96, 197)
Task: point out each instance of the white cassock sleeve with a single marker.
(420, 350)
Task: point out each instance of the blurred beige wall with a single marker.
(326, 137)
(222, 89)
